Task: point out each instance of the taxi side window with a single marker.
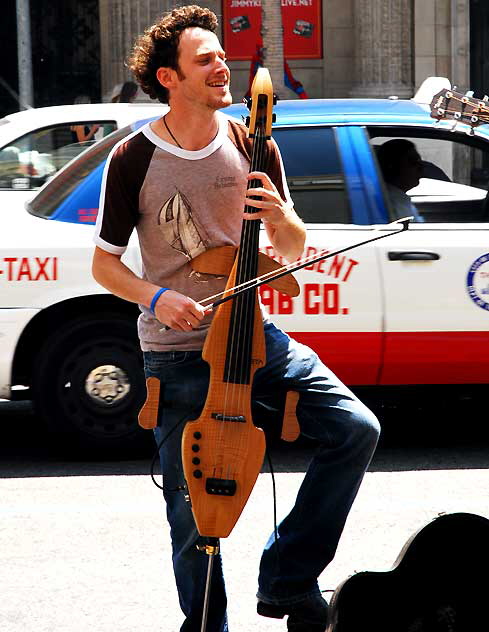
(437, 175)
(314, 174)
(28, 162)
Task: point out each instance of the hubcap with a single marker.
(107, 384)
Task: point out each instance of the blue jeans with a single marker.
(346, 432)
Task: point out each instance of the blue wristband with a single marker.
(155, 298)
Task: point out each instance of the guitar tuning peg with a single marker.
(469, 93)
(485, 98)
(470, 132)
(454, 126)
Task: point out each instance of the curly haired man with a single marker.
(165, 181)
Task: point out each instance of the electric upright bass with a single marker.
(223, 450)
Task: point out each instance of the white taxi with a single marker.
(34, 145)
(411, 309)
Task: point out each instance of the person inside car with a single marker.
(402, 168)
(82, 133)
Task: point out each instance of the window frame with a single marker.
(325, 182)
(49, 128)
(456, 136)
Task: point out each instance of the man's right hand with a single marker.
(178, 312)
(173, 309)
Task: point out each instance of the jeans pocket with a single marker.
(155, 362)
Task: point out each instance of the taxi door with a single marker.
(339, 310)
(436, 281)
(436, 277)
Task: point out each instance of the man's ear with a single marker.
(166, 76)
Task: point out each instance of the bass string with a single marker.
(246, 311)
(241, 325)
(239, 332)
(254, 228)
(246, 318)
(239, 322)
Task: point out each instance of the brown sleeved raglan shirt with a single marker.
(181, 204)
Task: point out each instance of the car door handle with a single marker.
(412, 255)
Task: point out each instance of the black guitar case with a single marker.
(439, 583)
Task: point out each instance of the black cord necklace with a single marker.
(169, 131)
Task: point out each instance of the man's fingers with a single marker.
(187, 320)
(270, 204)
(185, 325)
(179, 312)
(262, 192)
(259, 175)
(255, 216)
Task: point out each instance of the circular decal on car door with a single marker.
(478, 281)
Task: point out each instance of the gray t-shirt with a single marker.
(181, 203)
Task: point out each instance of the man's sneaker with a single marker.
(309, 615)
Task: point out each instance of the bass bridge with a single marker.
(220, 486)
(235, 418)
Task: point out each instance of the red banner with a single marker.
(301, 20)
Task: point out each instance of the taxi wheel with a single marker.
(89, 386)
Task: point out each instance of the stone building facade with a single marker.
(372, 48)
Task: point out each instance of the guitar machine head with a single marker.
(461, 108)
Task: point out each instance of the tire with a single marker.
(88, 387)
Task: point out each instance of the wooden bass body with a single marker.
(222, 451)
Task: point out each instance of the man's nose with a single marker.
(221, 64)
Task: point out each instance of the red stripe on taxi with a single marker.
(450, 357)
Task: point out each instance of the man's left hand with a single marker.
(273, 210)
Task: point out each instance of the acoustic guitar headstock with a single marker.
(461, 108)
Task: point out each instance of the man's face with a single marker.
(411, 170)
(203, 77)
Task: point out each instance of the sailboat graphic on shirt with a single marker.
(178, 227)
